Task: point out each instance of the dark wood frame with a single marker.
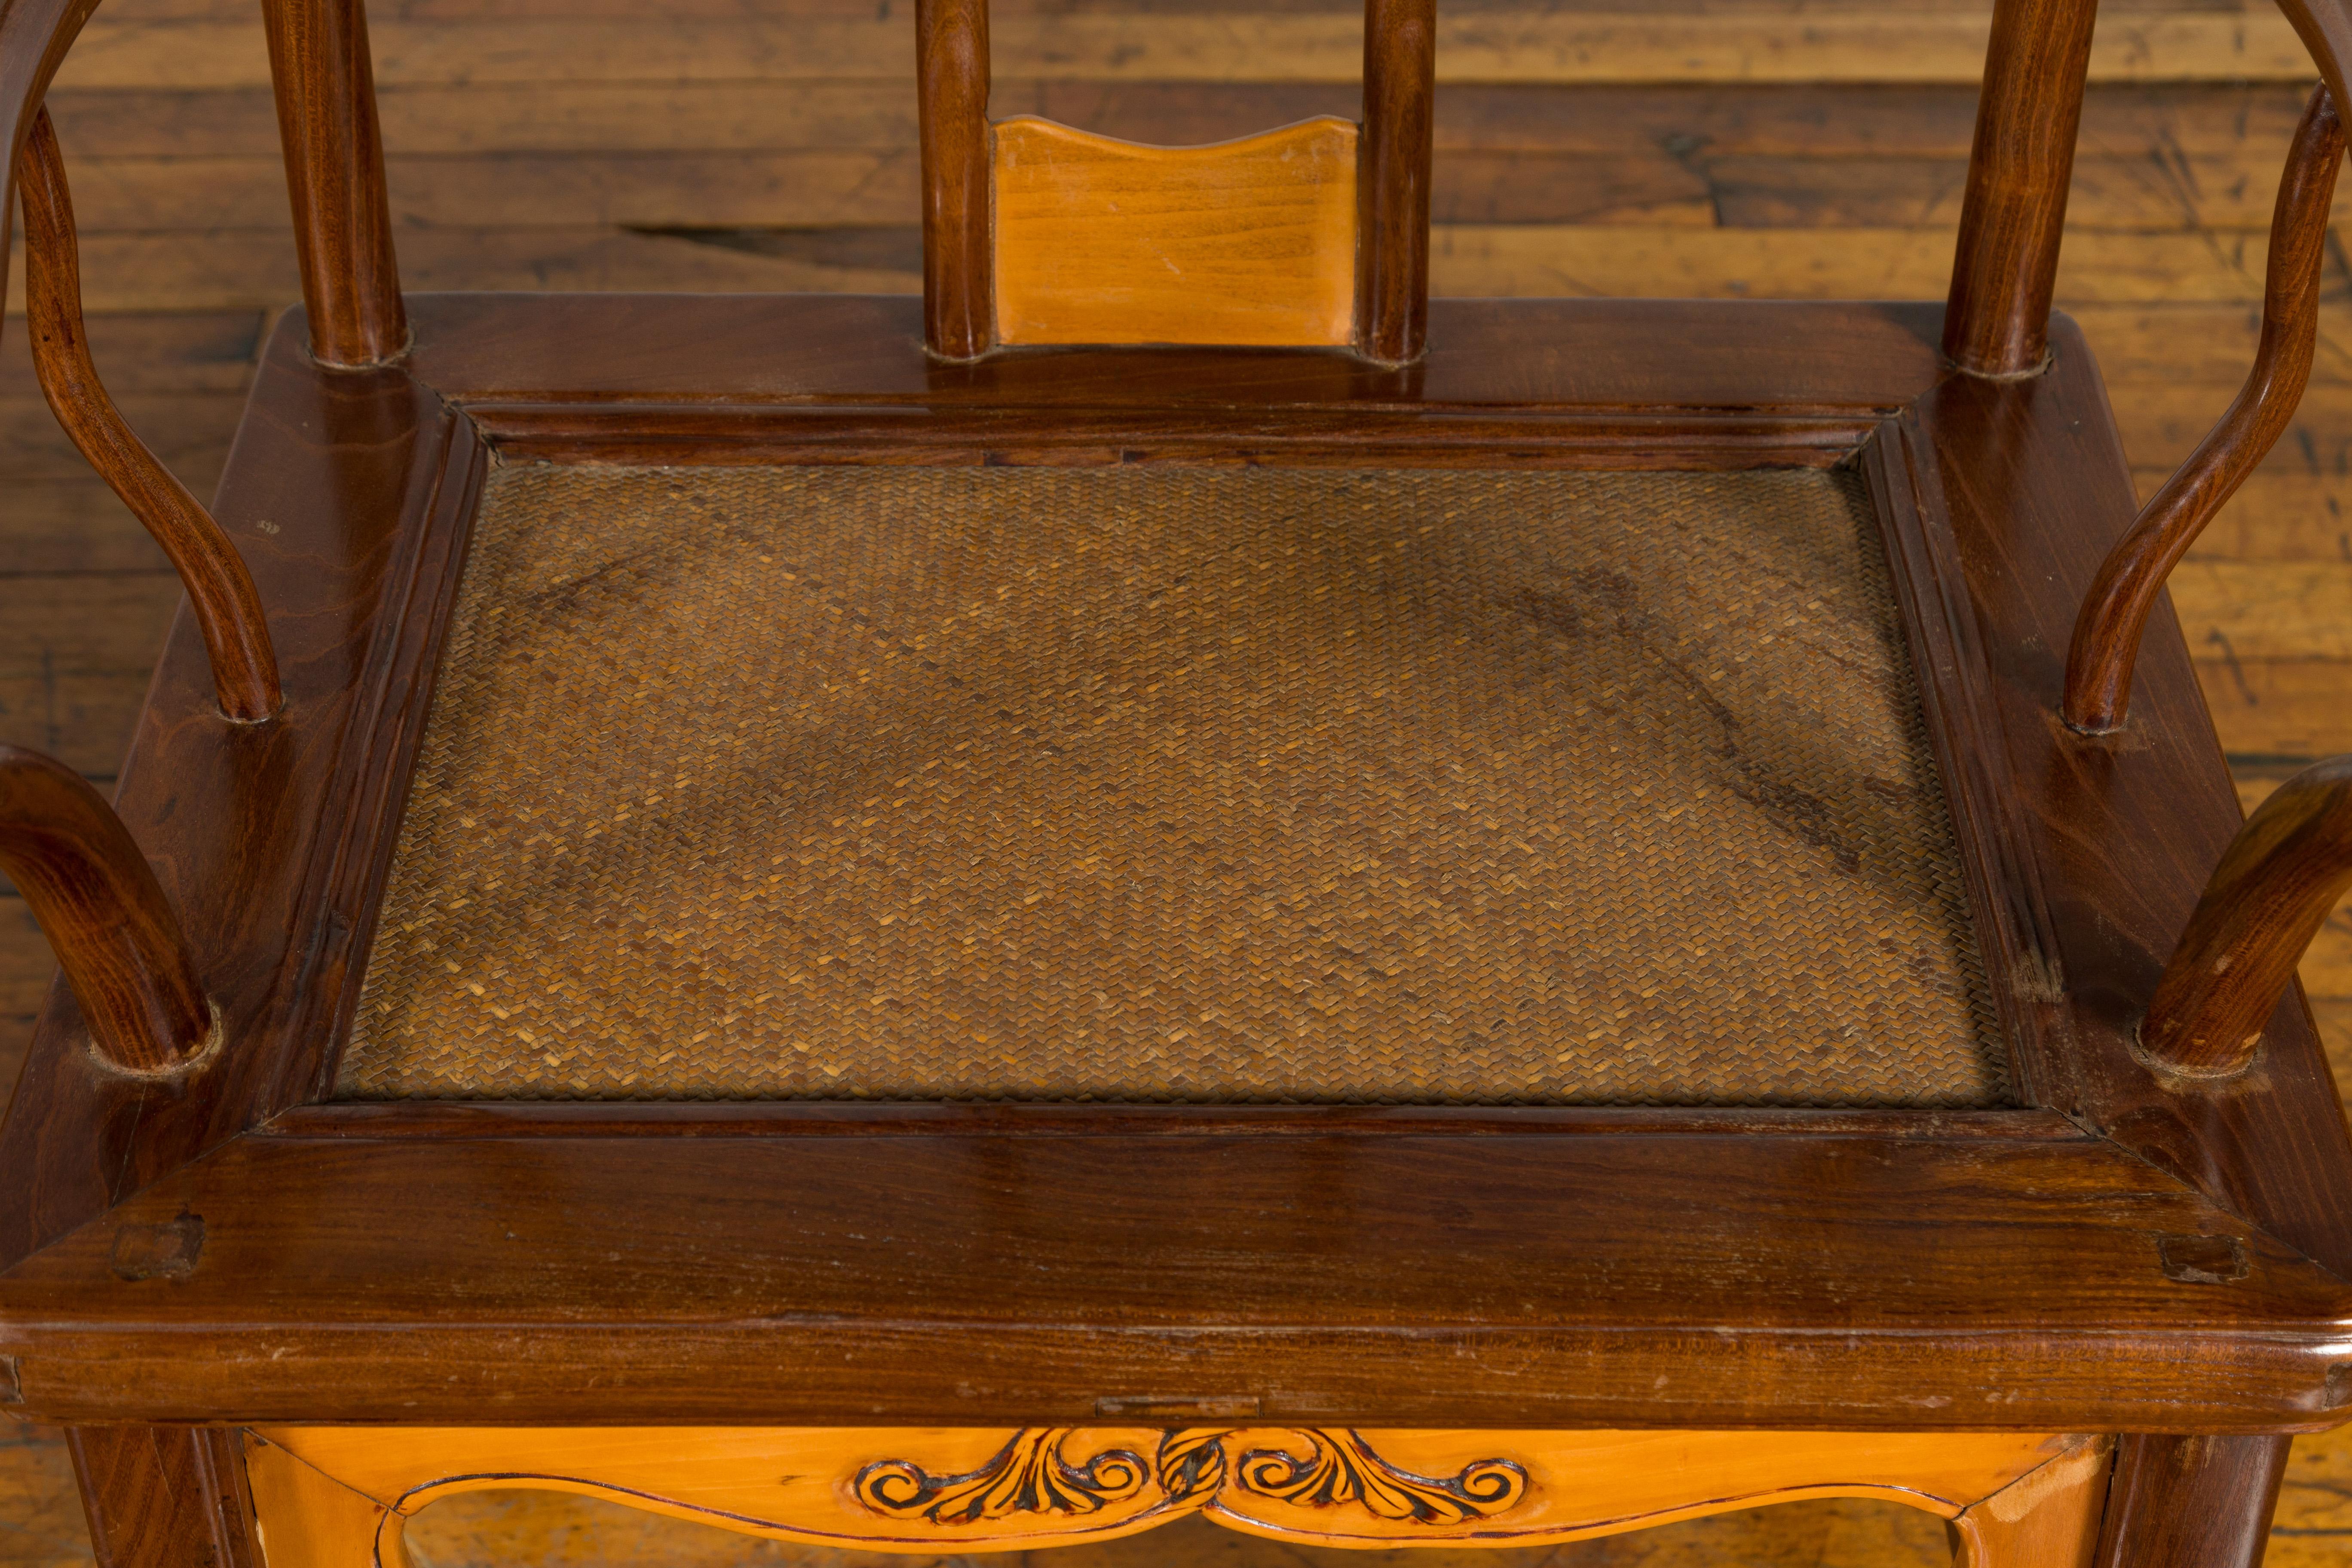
(351, 1240)
(2129, 1250)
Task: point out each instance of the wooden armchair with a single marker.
(1175, 882)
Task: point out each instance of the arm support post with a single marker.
(1392, 178)
(959, 244)
(325, 83)
(220, 590)
(99, 905)
(2114, 612)
(1997, 323)
(2275, 885)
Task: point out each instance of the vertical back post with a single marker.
(1998, 320)
(958, 262)
(1392, 179)
(334, 171)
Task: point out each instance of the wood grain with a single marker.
(165, 1498)
(236, 269)
(1530, 46)
(2105, 642)
(76, 662)
(325, 84)
(1586, 1262)
(2278, 881)
(2048, 1517)
(1393, 180)
(306, 1518)
(2275, 707)
(1568, 1485)
(2278, 516)
(951, 74)
(379, 449)
(2208, 125)
(2202, 1500)
(220, 590)
(2036, 498)
(514, 1529)
(2006, 268)
(116, 935)
(2299, 701)
(1248, 242)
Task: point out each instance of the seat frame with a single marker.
(204, 1245)
(223, 1246)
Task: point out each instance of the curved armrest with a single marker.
(2107, 633)
(34, 37)
(220, 590)
(2275, 885)
(99, 905)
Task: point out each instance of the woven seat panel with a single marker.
(1175, 784)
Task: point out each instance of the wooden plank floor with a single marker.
(1747, 148)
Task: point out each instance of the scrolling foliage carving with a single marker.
(1028, 1475)
(1342, 1468)
(1192, 1468)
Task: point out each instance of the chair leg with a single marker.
(165, 1497)
(2191, 1502)
(2047, 1518)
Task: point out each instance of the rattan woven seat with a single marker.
(1176, 786)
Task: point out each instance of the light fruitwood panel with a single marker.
(2049, 1519)
(819, 1486)
(1100, 241)
(1240, 46)
(304, 1519)
(546, 1530)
